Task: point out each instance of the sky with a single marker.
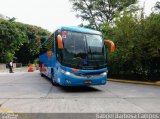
(48, 14)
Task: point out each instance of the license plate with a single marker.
(87, 81)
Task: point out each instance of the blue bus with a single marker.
(75, 56)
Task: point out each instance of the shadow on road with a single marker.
(79, 89)
(74, 89)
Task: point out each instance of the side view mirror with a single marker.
(60, 42)
(49, 53)
(112, 45)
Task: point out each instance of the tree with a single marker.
(151, 49)
(156, 8)
(19, 41)
(11, 39)
(97, 12)
(122, 34)
(137, 54)
(31, 49)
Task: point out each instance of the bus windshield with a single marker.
(82, 50)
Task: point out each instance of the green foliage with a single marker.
(8, 56)
(36, 61)
(137, 42)
(31, 49)
(11, 39)
(19, 41)
(97, 12)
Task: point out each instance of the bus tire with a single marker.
(42, 75)
(41, 72)
(52, 80)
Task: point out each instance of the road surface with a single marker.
(30, 93)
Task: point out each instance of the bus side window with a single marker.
(58, 51)
(43, 48)
(50, 43)
(56, 42)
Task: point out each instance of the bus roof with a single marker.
(80, 29)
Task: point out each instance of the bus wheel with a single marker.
(52, 80)
(41, 72)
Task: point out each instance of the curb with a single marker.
(135, 82)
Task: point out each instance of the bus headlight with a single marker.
(65, 72)
(104, 73)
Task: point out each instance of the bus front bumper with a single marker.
(70, 80)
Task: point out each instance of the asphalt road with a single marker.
(25, 92)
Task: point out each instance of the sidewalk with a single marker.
(135, 82)
(22, 69)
